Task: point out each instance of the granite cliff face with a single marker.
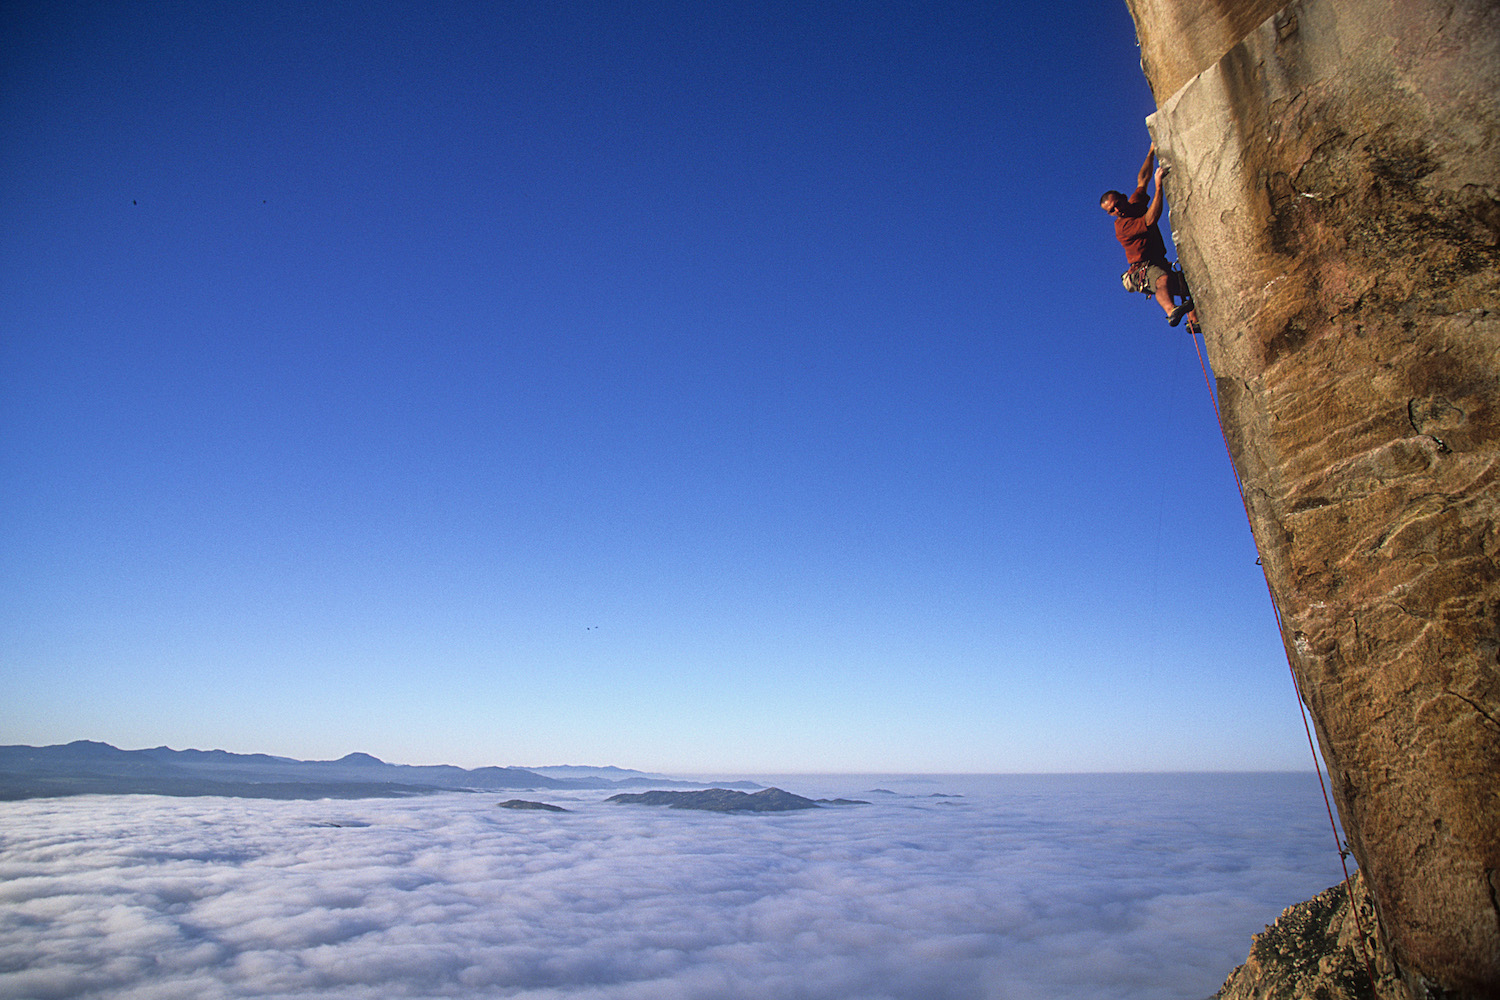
(1335, 200)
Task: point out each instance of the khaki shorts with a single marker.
(1139, 279)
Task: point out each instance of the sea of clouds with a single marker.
(1023, 888)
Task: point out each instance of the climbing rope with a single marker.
(1338, 842)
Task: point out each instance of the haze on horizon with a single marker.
(695, 388)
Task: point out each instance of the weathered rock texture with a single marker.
(1323, 949)
(1180, 40)
(1334, 186)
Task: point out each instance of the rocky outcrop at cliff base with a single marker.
(1318, 949)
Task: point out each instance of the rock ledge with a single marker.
(1316, 951)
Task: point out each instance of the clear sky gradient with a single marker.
(684, 386)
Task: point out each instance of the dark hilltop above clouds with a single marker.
(86, 767)
(726, 800)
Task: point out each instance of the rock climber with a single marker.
(1145, 250)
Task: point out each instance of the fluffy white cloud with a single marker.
(1025, 888)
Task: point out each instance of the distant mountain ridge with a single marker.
(609, 772)
(88, 767)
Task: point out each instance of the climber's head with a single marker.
(1113, 202)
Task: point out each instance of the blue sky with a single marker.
(697, 387)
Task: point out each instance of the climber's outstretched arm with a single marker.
(1145, 174)
(1153, 210)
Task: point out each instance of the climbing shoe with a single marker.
(1180, 310)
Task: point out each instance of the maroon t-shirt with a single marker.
(1141, 240)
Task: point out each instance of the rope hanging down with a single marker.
(1296, 685)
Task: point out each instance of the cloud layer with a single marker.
(1024, 888)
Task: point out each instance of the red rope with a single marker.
(1296, 685)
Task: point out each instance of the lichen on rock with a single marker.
(1318, 950)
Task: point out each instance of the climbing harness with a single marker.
(1136, 280)
(1339, 843)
